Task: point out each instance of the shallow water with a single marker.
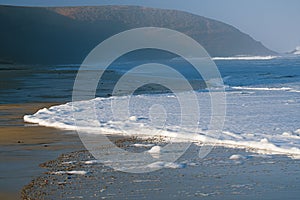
(263, 103)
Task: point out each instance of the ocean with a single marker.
(262, 104)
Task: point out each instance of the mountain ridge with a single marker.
(69, 33)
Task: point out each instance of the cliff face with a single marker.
(67, 34)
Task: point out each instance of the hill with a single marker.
(64, 35)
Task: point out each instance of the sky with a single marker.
(276, 23)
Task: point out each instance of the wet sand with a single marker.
(213, 177)
(24, 146)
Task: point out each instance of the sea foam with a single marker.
(246, 58)
(261, 122)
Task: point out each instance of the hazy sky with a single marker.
(276, 23)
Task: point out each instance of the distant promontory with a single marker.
(64, 35)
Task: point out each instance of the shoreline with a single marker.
(24, 146)
(224, 173)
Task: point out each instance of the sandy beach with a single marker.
(34, 159)
(25, 146)
(223, 174)
(31, 155)
(36, 163)
(149, 100)
(46, 163)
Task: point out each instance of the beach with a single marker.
(32, 154)
(149, 100)
(57, 166)
(223, 174)
(255, 156)
(24, 147)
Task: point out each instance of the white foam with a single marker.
(297, 51)
(71, 172)
(145, 180)
(262, 88)
(246, 58)
(143, 145)
(133, 118)
(287, 89)
(92, 162)
(260, 122)
(170, 165)
(237, 157)
(155, 150)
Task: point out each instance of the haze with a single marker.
(273, 22)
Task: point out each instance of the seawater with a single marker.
(263, 104)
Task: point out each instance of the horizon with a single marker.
(249, 17)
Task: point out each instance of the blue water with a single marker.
(262, 107)
(20, 84)
(260, 72)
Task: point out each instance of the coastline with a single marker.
(223, 174)
(24, 146)
(148, 100)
